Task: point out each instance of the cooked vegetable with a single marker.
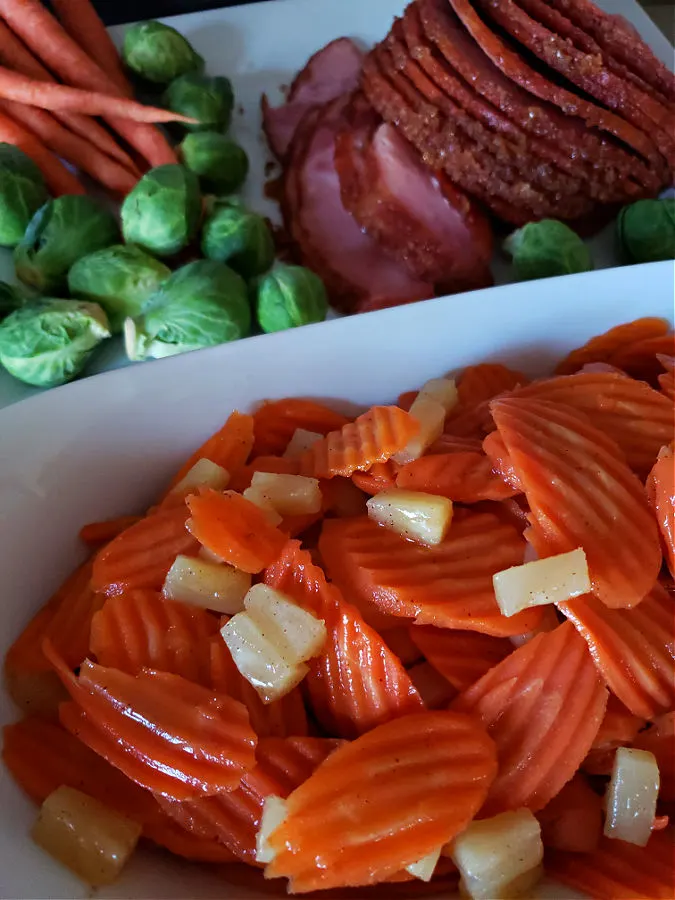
(220, 164)
(274, 813)
(22, 193)
(547, 248)
(444, 390)
(11, 298)
(424, 518)
(289, 296)
(48, 342)
(240, 238)
(162, 212)
(207, 99)
(631, 796)
(301, 441)
(552, 580)
(290, 495)
(200, 305)
(159, 53)
(204, 473)
(207, 584)
(430, 417)
(256, 496)
(61, 232)
(424, 868)
(120, 278)
(646, 230)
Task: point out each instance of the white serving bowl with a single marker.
(103, 447)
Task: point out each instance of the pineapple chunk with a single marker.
(443, 390)
(210, 585)
(204, 473)
(552, 580)
(209, 555)
(289, 495)
(431, 416)
(499, 857)
(255, 495)
(93, 841)
(298, 635)
(631, 796)
(424, 518)
(301, 441)
(424, 868)
(273, 814)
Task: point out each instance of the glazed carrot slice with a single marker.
(406, 399)
(543, 706)
(602, 347)
(639, 358)
(229, 447)
(434, 689)
(380, 477)
(500, 460)
(292, 760)
(141, 630)
(630, 412)
(401, 643)
(275, 464)
(101, 532)
(354, 654)
(667, 380)
(166, 833)
(633, 648)
(572, 820)
(438, 764)
(619, 728)
(462, 657)
(462, 477)
(659, 739)
(661, 495)
(276, 422)
(372, 438)
(476, 386)
(582, 494)
(141, 556)
(234, 529)
(618, 869)
(448, 585)
(452, 443)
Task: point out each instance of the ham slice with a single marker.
(331, 72)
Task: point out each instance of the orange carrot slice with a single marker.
(450, 443)
(633, 648)
(449, 585)
(639, 358)
(372, 438)
(659, 739)
(406, 399)
(476, 386)
(164, 832)
(435, 690)
(543, 706)
(292, 760)
(661, 495)
(462, 657)
(229, 447)
(619, 728)
(141, 630)
(462, 477)
(667, 380)
(572, 820)
(632, 413)
(399, 792)
(141, 556)
(277, 421)
(380, 477)
(235, 530)
(274, 464)
(500, 460)
(401, 643)
(354, 654)
(618, 869)
(604, 346)
(102, 532)
(582, 494)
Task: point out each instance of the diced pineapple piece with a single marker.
(424, 518)
(273, 814)
(297, 634)
(93, 841)
(211, 585)
(289, 495)
(301, 441)
(631, 796)
(499, 857)
(209, 555)
(204, 473)
(424, 868)
(255, 495)
(443, 390)
(431, 416)
(551, 580)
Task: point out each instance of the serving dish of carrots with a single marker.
(377, 649)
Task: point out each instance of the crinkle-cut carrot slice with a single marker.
(292, 760)
(639, 359)
(229, 447)
(451, 443)
(667, 379)
(372, 438)
(602, 347)
(661, 495)
(101, 532)
(619, 728)
(401, 643)
(500, 460)
(543, 706)
(618, 869)
(293, 526)
(141, 630)
(166, 833)
(277, 465)
(659, 739)
(462, 477)
(582, 494)
(380, 477)
(141, 556)
(406, 399)
(448, 585)
(476, 386)
(572, 820)
(632, 413)
(632, 648)
(234, 529)
(379, 689)
(398, 792)
(276, 421)
(282, 718)
(462, 657)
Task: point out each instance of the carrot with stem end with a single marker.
(59, 179)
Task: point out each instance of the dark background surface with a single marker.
(114, 11)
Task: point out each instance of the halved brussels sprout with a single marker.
(238, 237)
(158, 53)
(646, 230)
(289, 296)
(220, 164)
(22, 193)
(207, 99)
(11, 298)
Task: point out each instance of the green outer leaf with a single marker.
(646, 230)
(209, 99)
(238, 237)
(545, 249)
(22, 193)
(12, 297)
(288, 297)
(220, 164)
(159, 53)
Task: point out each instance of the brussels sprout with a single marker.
(161, 214)
(203, 304)
(11, 298)
(647, 230)
(220, 164)
(120, 278)
(546, 248)
(48, 342)
(209, 100)
(238, 237)
(159, 53)
(61, 232)
(287, 297)
(22, 193)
